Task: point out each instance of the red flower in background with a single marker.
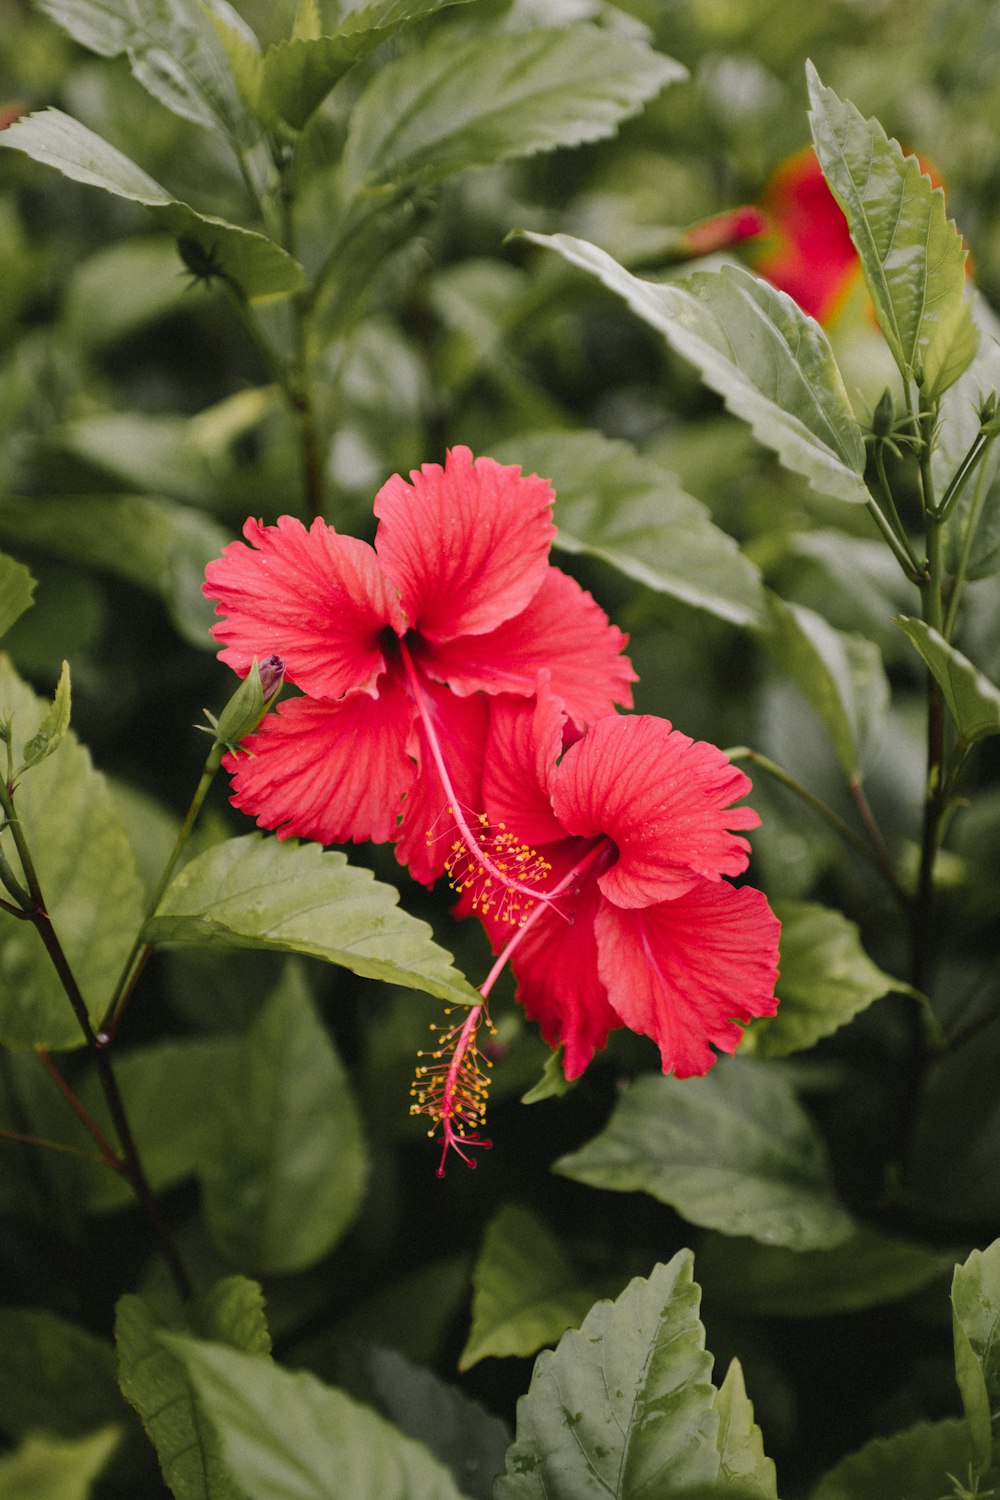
(808, 252)
(394, 646)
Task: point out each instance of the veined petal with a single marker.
(662, 798)
(525, 741)
(329, 771)
(687, 972)
(428, 830)
(467, 545)
(562, 629)
(316, 599)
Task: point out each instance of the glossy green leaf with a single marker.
(614, 504)
(732, 1151)
(912, 256)
(826, 978)
(174, 52)
(623, 1407)
(525, 1291)
(865, 1270)
(911, 1465)
(88, 879)
(841, 675)
(743, 1464)
(285, 1436)
(286, 1165)
(253, 892)
(54, 725)
(456, 104)
(772, 364)
(255, 265)
(16, 589)
(975, 1301)
(51, 1468)
(973, 701)
(54, 1376)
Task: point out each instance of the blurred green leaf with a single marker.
(958, 428)
(742, 1463)
(49, 1468)
(956, 1136)
(912, 256)
(553, 1083)
(732, 1151)
(54, 1376)
(16, 589)
(614, 504)
(975, 1298)
(525, 1291)
(973, 701)
(826, 978)
(287, 1436)
(54, 725)
(911, 1465)
(841, 675)
(772, 364)
(456, 104)
(263, 893)
(624, 1406)
(256, 266)
(232, 1311)
(286, 1164)
(123, 288)
(88, 879)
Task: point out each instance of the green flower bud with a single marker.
(249, 703)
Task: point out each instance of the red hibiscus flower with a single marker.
(636, 926)
(394, 647)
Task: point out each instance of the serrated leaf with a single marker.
(54, 1376)
(525, 1291)
(614, 504)
(841, 675)
(232, 1312)
(911, 1465)
(88, 879)
(624, 1406)
(452, 105)
(742, 1462)
(52, 1468)
(826, 978)
(285, 1167)
(732, 1151)
(772, 365)
(975, 1301)
(912, 256)
(54, 725)
(973, 701)
(253, 892)
(284, 1436)
(16, 590)
(254, 264)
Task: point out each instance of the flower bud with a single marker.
(249, 703)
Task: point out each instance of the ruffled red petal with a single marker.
(316, 599)
(662, 798)
(467, 545)
(428, 830)
(562, 629)
(332, 772)
(525, 741)
(687, 972)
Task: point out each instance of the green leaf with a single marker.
(841, 675)
(457, 104)
(731, 1151)
(771, 363)
(174, 51)
(16, 589)
(54, 1376)
(53, 727)
(285, 1169)
(88, 879)
(253, 892)
(525, 1291)
(973, 701)
(232, 1312)
(911, 1465)
(975, 1302)
(252, 263)
(826, 978)
(912, 256)
(958, 428)
(156, 1382)
(49, 1468)
(624, 1406)
(122, 288)
(614, 504)
(769, 1281)
(742, 1463)
(553, 1083)
(287, 1436)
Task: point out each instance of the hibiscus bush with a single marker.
(499, 536)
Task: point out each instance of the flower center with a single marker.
(498, 871)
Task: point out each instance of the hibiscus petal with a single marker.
(687, 972)
(428, 829)
(329, 771)
(562, 629)
(525, 741)
(318, 600)
(467, 545)
(662, 798)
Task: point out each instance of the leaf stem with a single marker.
(971, 527)
(894, 533)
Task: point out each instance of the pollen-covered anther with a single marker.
(499, 871)
(452, 1086)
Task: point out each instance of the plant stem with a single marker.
(971, 527)
(895, 534)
